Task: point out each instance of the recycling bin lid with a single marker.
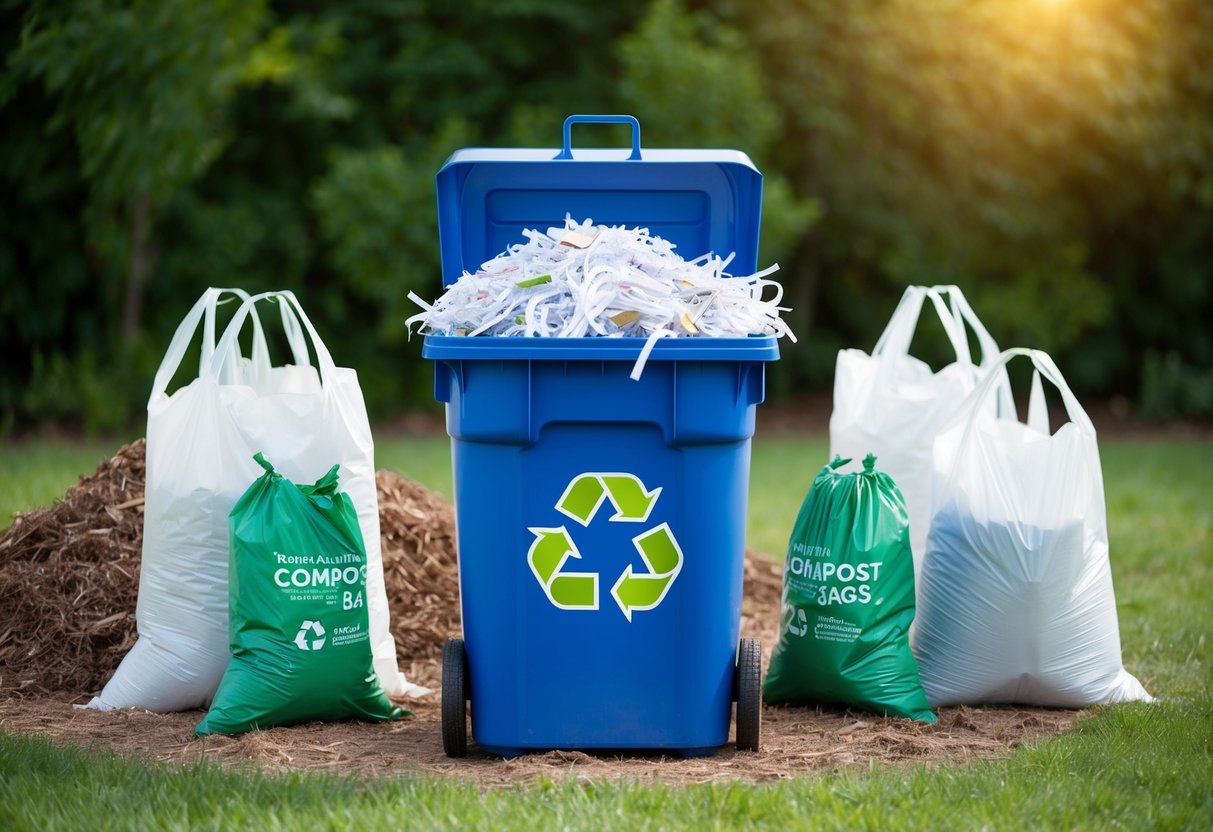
(703, 201)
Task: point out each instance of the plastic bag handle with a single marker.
(989, 348)
(965, 316)
(208, 341)
(204, 311)
(899, 331)
(895, 340)
(953, 320)
(208, 344)
(1046, 369)
(296, 342)
(324, 358)
(1038, 409)
(566, 151)
(295, 338)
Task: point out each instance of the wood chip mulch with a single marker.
(69, 576)
(69, 581)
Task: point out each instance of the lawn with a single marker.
(1139, 766)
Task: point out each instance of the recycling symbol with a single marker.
(633, 591)
(799, 625)
(313, 628)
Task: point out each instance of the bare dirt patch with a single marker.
(795, 742)
(68, 585)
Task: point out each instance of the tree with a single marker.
(142, 89)
(693, 81)
(1056, 159)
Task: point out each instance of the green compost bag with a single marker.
(300, 638)
(848, 600)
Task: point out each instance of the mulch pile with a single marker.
(69, 576)
(69, 579)
(420, 573)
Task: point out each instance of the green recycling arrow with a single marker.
(663, 558)
(627, 494)
(566, 590)
(580, 501)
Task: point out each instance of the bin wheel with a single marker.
(748, 684)
(454, 698)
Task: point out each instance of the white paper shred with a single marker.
(607, 281)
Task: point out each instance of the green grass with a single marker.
(1136, 767)
(1132, 767)
(781, 470)
(37, 473)
(426, 459)
(1160, 530)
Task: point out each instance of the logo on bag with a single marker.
(633, 503)
(799, 626)
(310, 636)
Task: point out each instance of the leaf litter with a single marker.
(69, 579)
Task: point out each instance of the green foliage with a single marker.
(375, 209)
(248, 236)
(1053, 157)
(689, 75)
(138, 85)
(1172, 388)
(138, 92)
(84, 389)
(693, 82)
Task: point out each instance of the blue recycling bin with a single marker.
(600, 520)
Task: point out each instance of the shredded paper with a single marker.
(608, 281)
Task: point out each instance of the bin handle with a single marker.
(566, 152)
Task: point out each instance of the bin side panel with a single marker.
(586, 676)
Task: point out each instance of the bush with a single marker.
(1173, 389)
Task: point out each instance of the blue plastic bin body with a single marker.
(600, 520)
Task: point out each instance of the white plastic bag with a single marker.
(892, 405)
(1016, 603)
(200, 444)
(196, 469)
(306, 424)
